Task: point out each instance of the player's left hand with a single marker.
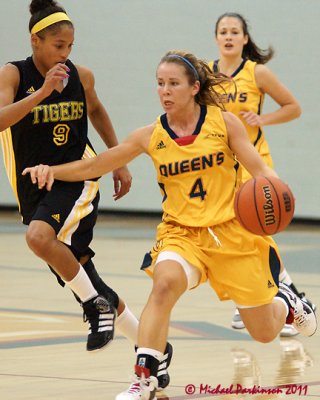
(251, 118)
(41, 175)
(122, 182)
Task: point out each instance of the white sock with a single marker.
(128, 324)
(82, 286)
(285, 277)
(151, 352)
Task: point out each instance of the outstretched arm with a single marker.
(90, 168)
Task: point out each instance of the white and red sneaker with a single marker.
(302, 315)
(143, 387)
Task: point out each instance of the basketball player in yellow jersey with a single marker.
(192, 147)
(242, 97)
(242, 60)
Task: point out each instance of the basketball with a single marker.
(264, 205)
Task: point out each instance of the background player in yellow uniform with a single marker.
(192, 147)
(241, 59)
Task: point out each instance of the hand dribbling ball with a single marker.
(264, 205)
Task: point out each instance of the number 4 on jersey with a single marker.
(198, 190)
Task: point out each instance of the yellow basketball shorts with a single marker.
(243, 267)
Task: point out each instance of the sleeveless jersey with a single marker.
(53, 132)
(197, 174)
(247, 98)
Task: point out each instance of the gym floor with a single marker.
(42, 336)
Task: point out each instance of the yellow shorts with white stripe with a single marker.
(243, 267)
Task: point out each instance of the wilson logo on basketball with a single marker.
(264, 205)
(287, 201)
(269, 216)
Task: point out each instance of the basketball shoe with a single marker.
(163, 374)
(143, 386)
(288, 330)
(301, 314)
(101, 316)
(236, 321)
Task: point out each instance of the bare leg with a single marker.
(265, 322)
(169, 283)
(42, 240)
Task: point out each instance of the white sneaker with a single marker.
(304, 318)
(237, 322)
(288, 331)
(143, 386)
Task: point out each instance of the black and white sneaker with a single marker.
(309, 302)
(304, 318)
(101, 316)
(163, 375)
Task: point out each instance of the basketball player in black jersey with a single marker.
(44, 104)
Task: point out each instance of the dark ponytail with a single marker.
(40, 9)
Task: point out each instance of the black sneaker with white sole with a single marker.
(101, 316)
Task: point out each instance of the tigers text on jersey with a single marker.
(53, 132)
(247, 97)
(197, 174)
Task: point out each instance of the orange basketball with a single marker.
(264, 205)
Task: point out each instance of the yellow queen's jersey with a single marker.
(197, 174)
(248, 97)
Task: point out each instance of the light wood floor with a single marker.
(42, 336)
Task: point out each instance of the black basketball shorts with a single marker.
(71, 208)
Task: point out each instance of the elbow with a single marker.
(291, 111)
(4, 123)
(297, 111)
(3, 127)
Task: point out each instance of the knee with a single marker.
(263, 336)
(165, 292)
(37, 241)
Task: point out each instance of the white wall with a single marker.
(122, 42)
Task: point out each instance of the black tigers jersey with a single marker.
(53, 132)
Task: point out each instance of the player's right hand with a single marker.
(54, 79)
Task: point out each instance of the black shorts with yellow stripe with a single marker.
(71, 209)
